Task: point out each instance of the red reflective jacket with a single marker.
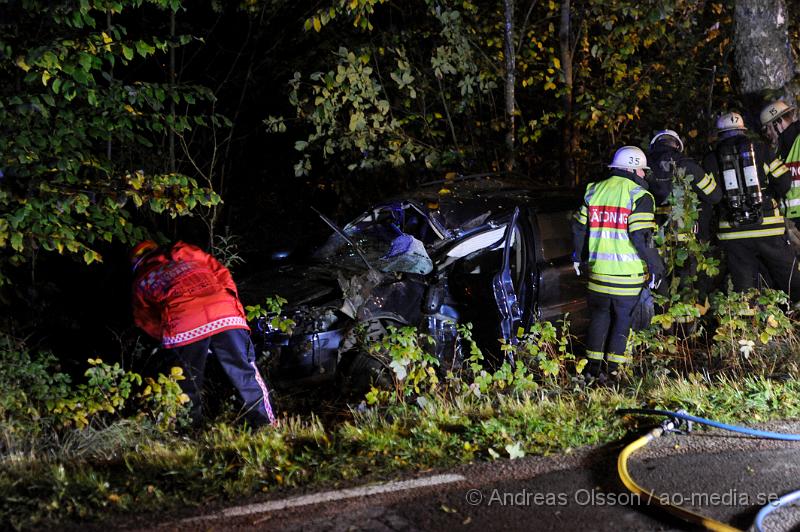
(183, 294)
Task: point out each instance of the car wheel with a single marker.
(363, 371)
(366, 371)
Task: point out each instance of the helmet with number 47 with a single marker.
(730, 122)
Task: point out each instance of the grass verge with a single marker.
(130, 466)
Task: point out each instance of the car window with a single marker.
(488, 262)
(400, 216)
(555, 233)
(391, 237)
(493, 238)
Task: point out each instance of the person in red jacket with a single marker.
(186, 299)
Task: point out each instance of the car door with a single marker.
(560, 290)
(487, 268)
(505, 294)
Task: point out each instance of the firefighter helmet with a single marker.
(730, 122)
(629, 158)
(774, 111)
(669, 137)
(141, 250)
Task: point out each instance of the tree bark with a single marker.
(172, 163)
(568, 136)
(511, 68)
(763, 54)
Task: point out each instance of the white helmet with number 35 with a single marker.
(629, 158)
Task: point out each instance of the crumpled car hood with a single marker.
(298, 284)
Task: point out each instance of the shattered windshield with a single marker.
(392, 238)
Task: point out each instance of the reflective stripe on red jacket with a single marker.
(183, 294)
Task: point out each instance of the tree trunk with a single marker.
(111, 76)
(568, 136)
(511, 68)
(762, 51)
(172, 164)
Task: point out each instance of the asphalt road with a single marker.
(727, 477)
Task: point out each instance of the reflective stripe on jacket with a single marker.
(775, 182)
(772, 225)
(793, 196)
(614, 265)
(184, 294)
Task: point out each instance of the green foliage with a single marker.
(28, 382)
(680, 247)
(542, 358)
(635, 67)
(382, 104)
(743, 332)
(163, 472)
(357, 10)
(81, 132)
(351, 115)
(106, 391)
(40, 403)
(676, 332)
(413, 368)
(226, 250)
(271, 314)
(469, 415)
(728, 399)
(547, 351)
(748, 319)
(165, 400)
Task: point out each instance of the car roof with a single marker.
(466, 198)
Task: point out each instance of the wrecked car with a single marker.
(470, 250)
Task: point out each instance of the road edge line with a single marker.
(327, 496)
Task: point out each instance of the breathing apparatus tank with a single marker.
(737, 162)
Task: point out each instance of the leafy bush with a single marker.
(28, 382)
(271, 315)
(686, 257)
(165, 401)
(748, 319)
(746, 331)
(40, 405)
(73, 127)
(413, 368)
(541, 357)
(106, 392)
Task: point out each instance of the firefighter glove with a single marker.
(655, 281)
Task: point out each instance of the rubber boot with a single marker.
(592, 369)
(614, 373)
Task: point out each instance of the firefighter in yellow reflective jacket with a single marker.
(751, 228)
(779, 121)
(618, 217)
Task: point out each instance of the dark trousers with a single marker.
(234, 351)
(745, 256)
(611, 318)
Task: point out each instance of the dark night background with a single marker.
(245, 53)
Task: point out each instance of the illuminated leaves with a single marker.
(63, 112)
